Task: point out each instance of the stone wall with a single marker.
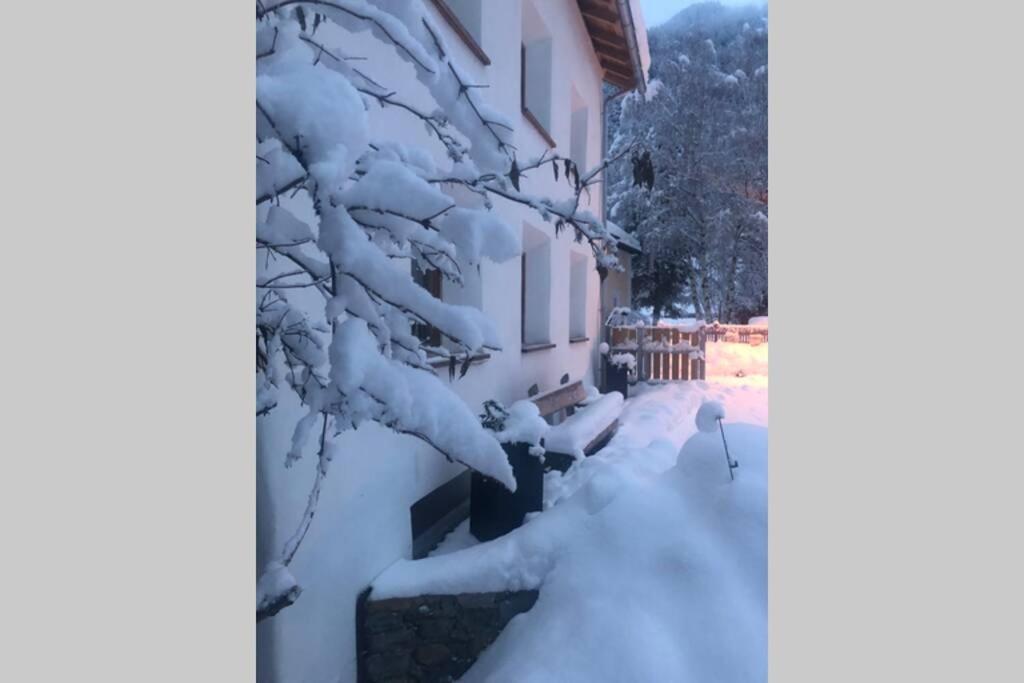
(431, 638)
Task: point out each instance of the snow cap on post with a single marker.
(708, 416)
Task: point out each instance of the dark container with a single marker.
(617, 379)
(493, 509)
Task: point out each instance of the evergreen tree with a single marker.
(704, 121)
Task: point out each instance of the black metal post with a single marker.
(728, 460)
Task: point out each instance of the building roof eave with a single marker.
(619, 40)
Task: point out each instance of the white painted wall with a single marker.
(363, 520)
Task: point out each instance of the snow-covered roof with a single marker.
(626, 240)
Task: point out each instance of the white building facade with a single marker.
(544, 62)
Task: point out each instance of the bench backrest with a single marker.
(562, 398)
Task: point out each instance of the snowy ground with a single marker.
(737, 364)
(651, 563)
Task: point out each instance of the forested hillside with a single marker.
(703, 221)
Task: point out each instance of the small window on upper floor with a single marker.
(579, 131)
(466, 19)
(535, 61)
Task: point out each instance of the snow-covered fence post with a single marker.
(336, 321)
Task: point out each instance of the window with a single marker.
(535, 290)
(578, 131)
(466, 19)
(535, 62)
(577, 296)
(429, 280)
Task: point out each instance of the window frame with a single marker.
(578, 275)
(461, 31)
(527, 114)
(431, 280)
(547, 342)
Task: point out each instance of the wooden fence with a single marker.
(661, 353)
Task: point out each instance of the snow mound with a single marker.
(652, 564)
(666, 581)
(708, 416)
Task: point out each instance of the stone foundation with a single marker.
(431, 638)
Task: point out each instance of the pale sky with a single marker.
(658, 11)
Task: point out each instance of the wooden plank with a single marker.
(561, 398)
(599, 11)
(666, 372)
(609, 61)
(620, 336)
(611, 50)
(676, 372)
(605, 433)
(611, 73)
(619, 81)
(604, 31)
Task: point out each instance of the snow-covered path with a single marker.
(650, 569)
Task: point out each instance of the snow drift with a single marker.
(651, 564)
(682, 562)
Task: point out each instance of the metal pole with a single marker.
(729, 461)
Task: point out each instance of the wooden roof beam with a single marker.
(599, 11)
(613, 51)
(596, 31)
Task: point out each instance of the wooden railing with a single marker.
(661, 353)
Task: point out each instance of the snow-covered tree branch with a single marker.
(343, 220)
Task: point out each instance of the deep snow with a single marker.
(651, 563)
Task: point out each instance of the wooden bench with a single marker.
(578, 430)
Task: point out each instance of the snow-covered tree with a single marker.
(704, 122)
(344, 221)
